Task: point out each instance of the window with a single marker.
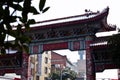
(45, 78)
(46, 70)
(46, 52)
(46, 60)
(32, 70)
(37, 77)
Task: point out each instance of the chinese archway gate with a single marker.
(74, 33)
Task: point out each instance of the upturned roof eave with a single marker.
(97, 16)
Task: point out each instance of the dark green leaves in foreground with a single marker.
(9, 10)
(114, 48)
(42, 6)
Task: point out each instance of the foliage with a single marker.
(114, 48)
(55, 76)
(66, 73)
(8, 16)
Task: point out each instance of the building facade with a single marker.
(39, 66)
(61, 62)
(58, 60)
(46, 65)
(81, 64)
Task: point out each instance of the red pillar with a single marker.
(24, 73)
(90, 71)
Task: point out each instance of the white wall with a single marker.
(110, 73)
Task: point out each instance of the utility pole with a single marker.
(61, 68)
(61, 74)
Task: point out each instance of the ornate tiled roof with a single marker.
(78, 19)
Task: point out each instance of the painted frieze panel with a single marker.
(64, 32)
(11, 63)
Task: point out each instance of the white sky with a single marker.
(71, 55)
(64, 8)
(107, 74)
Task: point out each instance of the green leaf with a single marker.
(33, 10)
(16, 7)
(31, 21)
(26, 10)
(13, 19)
(13, 33)
(9, 27)
(41, 4)
(24, 17)
(6, 15)
(114, 48)
(8, 44)
(26, 48)
(24, 39)
(2, 38)
(45, 9)
(17, 1)
(1, 12)
(3, 51)
(19, 30)
(27, 27)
